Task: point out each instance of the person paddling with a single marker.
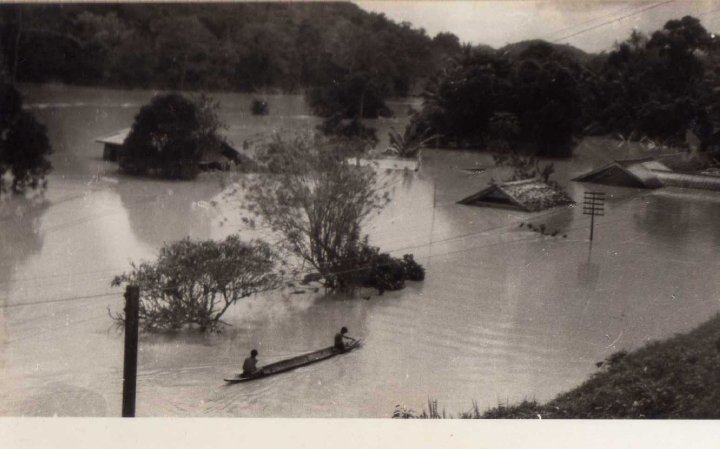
(340, 338)
(250, 365)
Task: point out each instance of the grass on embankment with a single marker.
(675, 378)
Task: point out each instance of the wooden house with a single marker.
(112, 144)
(221, 159)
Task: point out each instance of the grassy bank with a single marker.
(674, 378)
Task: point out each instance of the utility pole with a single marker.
(132, 317)
(432, 224)
(593, 205)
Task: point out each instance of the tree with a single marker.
(101, 35)
(317, 202)
(193, 283)
(525, 167)
(351, 95)
(540, 87)
(239, 46)
(448, 43)
(24, 146)
(411, 141)
(184, 47)
(170, 135)
(504, 130)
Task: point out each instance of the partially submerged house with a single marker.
(638, 173)
(220, 159)
(112, 144)
(650, 174)
(530, 195)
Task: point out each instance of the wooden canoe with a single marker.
(292, 363)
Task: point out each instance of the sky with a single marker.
(598, 23)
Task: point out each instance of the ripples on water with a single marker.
(504, 314)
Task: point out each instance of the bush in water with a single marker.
(195, 282)
(384, 272)
(413, 270)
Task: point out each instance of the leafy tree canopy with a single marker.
(193, 283)
(238, 46)
(170, 135)
(24, 145)
(655, 87)
(317, 202)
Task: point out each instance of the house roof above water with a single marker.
(640, 173)
(227, 151)
(530, 195)
(116, 138)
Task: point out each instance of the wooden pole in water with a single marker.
(432, 224)
(132, 312)
(593, 205)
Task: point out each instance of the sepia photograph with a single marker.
(368, 209)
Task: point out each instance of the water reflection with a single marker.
(20, 237)
(664, 219)
(588, 272)
(160, 211)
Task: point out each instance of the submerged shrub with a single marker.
(193, 283)
(384, 272)
(413, 270)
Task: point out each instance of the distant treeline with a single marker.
(530, 96)
(538, 96)
(238, 47)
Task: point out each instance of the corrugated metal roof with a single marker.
(690, 180)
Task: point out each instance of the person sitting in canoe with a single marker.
(250, 365)
(340, 338)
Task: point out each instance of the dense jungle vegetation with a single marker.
(536, 96)
(533, 96)
(238, 47)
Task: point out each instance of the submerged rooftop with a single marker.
(530, 195)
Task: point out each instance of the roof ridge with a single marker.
(520, 181)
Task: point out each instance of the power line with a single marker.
(612, 21)
(567, 28)
(453, 237)
(49, 301)
(46, 331)
(428, 244)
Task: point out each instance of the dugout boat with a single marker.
(292, 363)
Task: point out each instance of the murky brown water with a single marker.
(504, 313)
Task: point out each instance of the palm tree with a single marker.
(410, 142)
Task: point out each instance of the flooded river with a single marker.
(504, 314)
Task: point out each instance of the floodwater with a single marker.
(503, 315)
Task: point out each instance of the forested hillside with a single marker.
(538, 96)
(240, 47)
